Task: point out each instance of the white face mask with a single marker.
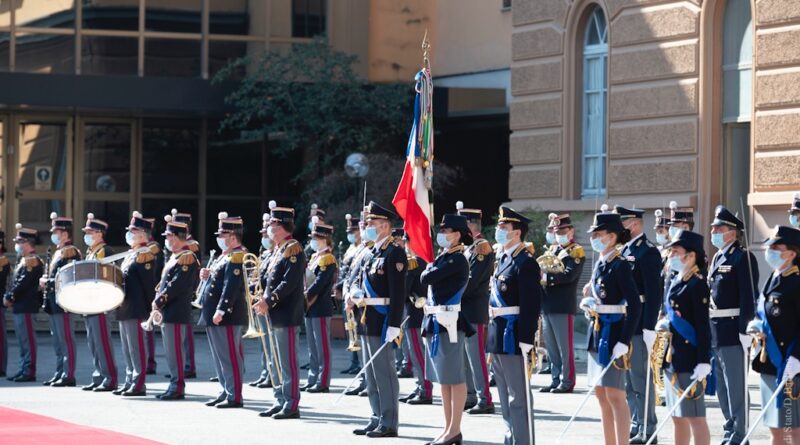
(271, 233)
(562, 239)
(441, 240)
(316, 245)
(266, 243)
(129, 238)
(222, 244)
(18, 248)
(351, 238)
(88, 240)
(55, 239)
(168, 244)
(661, 239)
(673, 232)
(550, 237)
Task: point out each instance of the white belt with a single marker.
(442, 308)
(374, 301)
(720, 313)
(495, 312)
(610, 309)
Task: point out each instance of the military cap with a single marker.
(795, 203)
(375, 211)
(351, 223)
(784, 235)
(661, 220)
(93, 223)
(558, 222)
(509, 215)
(690, 241)
(25, 234)
(625, 213)
(229, 224)
(608, 221)
(680, 215)
(60, 222)
(470, 214)
(280, 214)
(724, 217)
(138, 222)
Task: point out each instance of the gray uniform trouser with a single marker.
(383, 387)
(319, 351)
(287, 395)
(188, 348)
(134, 352)
(64, 345)
(3, 340)
(729, 370)
(225, 342)
(557, 330)
(99, 339)
(635, 388)
(26, 337)
(476, 368)
(172, 334)
(509, 374)
(266, 358)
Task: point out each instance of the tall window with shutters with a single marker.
(594, 105)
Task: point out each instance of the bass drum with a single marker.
(89, 287)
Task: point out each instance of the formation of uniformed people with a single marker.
(663, 316)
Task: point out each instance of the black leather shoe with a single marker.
(633, 434)
(49, 382)
(469, 404)
(286, 414)
(305, 366)
(151, 372)
(354, 392)
(545, 370)
(265, 384)
(455, 440)
(642, 439)
(120, 390)
(229, 404)
(2, 373)
(12, 377)
(25, 378)
(419, 399)
(102, 388)
(173, 396)
(404, 374)
(189, 375)
(355, 370)
(90, 386)
(257, 382)
(213, 379)
(306, 386)
(382, 432)
(561, 390)
(481, 409)
(363, 393)
(406, 398)
(365, 430)
(62, 382)
(545, 389)
(317, 389)
(167, 376)
(135, 393)
(217, 401)
(270, 412)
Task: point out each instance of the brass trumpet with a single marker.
(198, 296)
(550, 263)
(251, 265)
(419, 302)
(351, 326)
(156, 319)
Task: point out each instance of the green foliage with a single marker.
(309, 98)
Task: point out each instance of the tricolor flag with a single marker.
(411, 199)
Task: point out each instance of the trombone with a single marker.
(253, 291)
(351, 327)
(198, 295)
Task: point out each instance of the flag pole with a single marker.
(426, 137)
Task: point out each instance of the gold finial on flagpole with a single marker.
(426, 48)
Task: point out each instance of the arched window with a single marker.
(595, 90)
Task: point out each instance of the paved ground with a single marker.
(191, 422)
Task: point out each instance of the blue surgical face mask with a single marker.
(371, 234)
(88, 240)
(550, 237)
(562, 239)
(718, 240)
(129, 238)
(673, 232)
(661, 239)
(676, 264)
(266, 243)
(18, 249)
(316, 245)
(441, 240)
(310, 226)
(54, 239)
(794, 220)
(221, 243)
(501, 236)
(168, 244)
(351, 238)
(598, 245)
(774, 259)
(271, 232)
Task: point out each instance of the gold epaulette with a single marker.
(482, 247)
(454, 249)
(292, 248)
(794, 270)
(327, 259)
(615, 254)
(100, 253)
(388, 241)
(526, 247)
(186, 258)
(32, 261)
(155, 249)
(3, 261)
(694, 271)
(145, 257)
(237, 257)
(576, 251)
(69, 252)
(194, 246)
(370, 244)
(412, 263)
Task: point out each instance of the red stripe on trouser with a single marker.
(234, 355)
(326, 353)
(190, 341)
(105, 338)
(70, 346)
(293, 370)
(151, 350)
(178, 345)
(420, 358)
(570, 320)
(142, 359)
(31, 341)
(484, 368)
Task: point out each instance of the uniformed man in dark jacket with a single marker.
(559, 304)
(139, 280)
(173, 298)
(353, 248)
(383, 299)
(104, 375)
(268, 376)
(5, 268)
(515, 306)
(189, 368)
(474, 306)
(645, 260)
(284, 303)
(61, 326)
(24, 298)
(732, 278)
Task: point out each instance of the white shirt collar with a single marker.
(605, 257)
(380, 242)
(511, 249)
(633, 240)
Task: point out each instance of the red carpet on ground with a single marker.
(22, 428)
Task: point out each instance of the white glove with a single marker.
(392, 333)
(620, 349)
(701, 371)
(586, 289)
(525, 348)
(649, 338)
(746, 341)
(792, 368)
